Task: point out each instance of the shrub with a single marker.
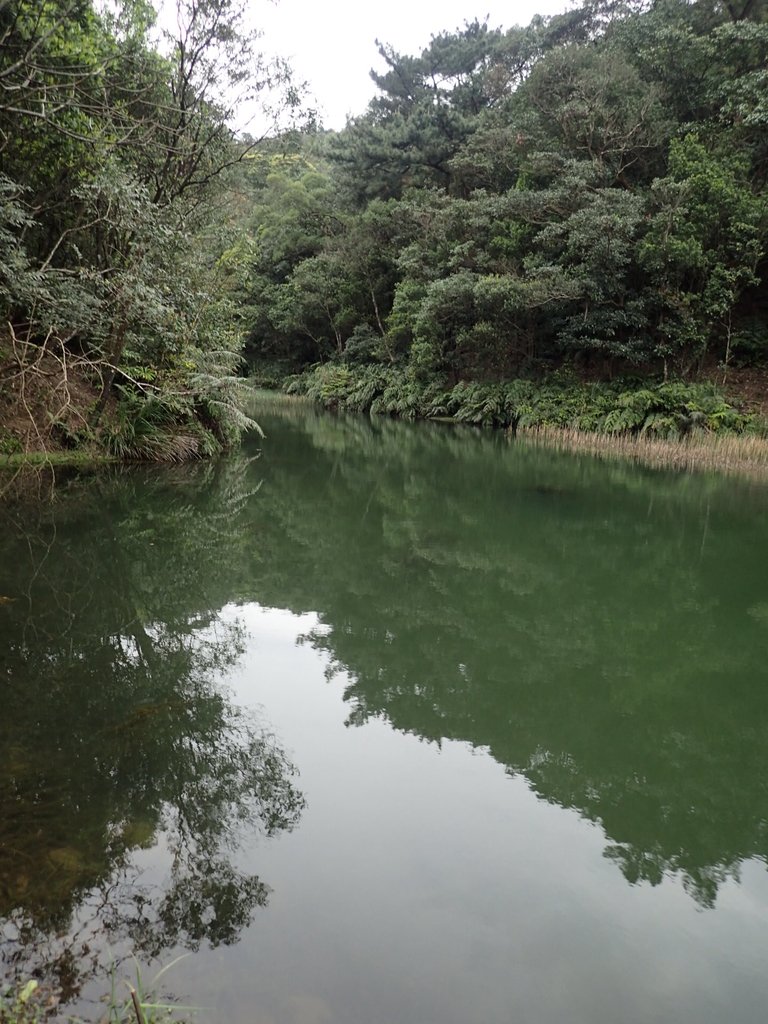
(671, 409)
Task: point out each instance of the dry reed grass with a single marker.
(744, 455)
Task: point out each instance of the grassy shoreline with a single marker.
(742, 455)
(38, 460)
(673, 425)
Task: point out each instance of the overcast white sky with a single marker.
(332, 44)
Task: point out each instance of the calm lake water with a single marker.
(389, 724)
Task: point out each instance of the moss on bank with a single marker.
(55, 458)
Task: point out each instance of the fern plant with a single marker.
(671, 409)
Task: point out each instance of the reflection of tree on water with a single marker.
(597, 628)
(116, 734)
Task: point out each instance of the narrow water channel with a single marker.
(388, 724)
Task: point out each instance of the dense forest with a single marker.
(585, 196)
(560, 223)
(117, 200)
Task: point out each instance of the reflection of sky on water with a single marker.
(426, 884)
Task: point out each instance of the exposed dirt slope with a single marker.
(46, 398)
(747, 387)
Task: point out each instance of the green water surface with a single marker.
(389, 723)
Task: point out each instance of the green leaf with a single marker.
(28, 991)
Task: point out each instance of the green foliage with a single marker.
(704, 243)
(402, 396)
(117, 213)
(9, 443)
(589, 187)
(427, 109)
(156, 429)
(670, 409)
(749, 342)
(128, 998)
(674, 409)
(21, 1005)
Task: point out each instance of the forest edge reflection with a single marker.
(118, 735)
(599, 629)
(467, 593)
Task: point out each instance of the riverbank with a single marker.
(743, 455)
(36, 459)
(668, 424)
(54, 411)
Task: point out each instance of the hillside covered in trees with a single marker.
(584, 195)
(563, 223)
(117, 166)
